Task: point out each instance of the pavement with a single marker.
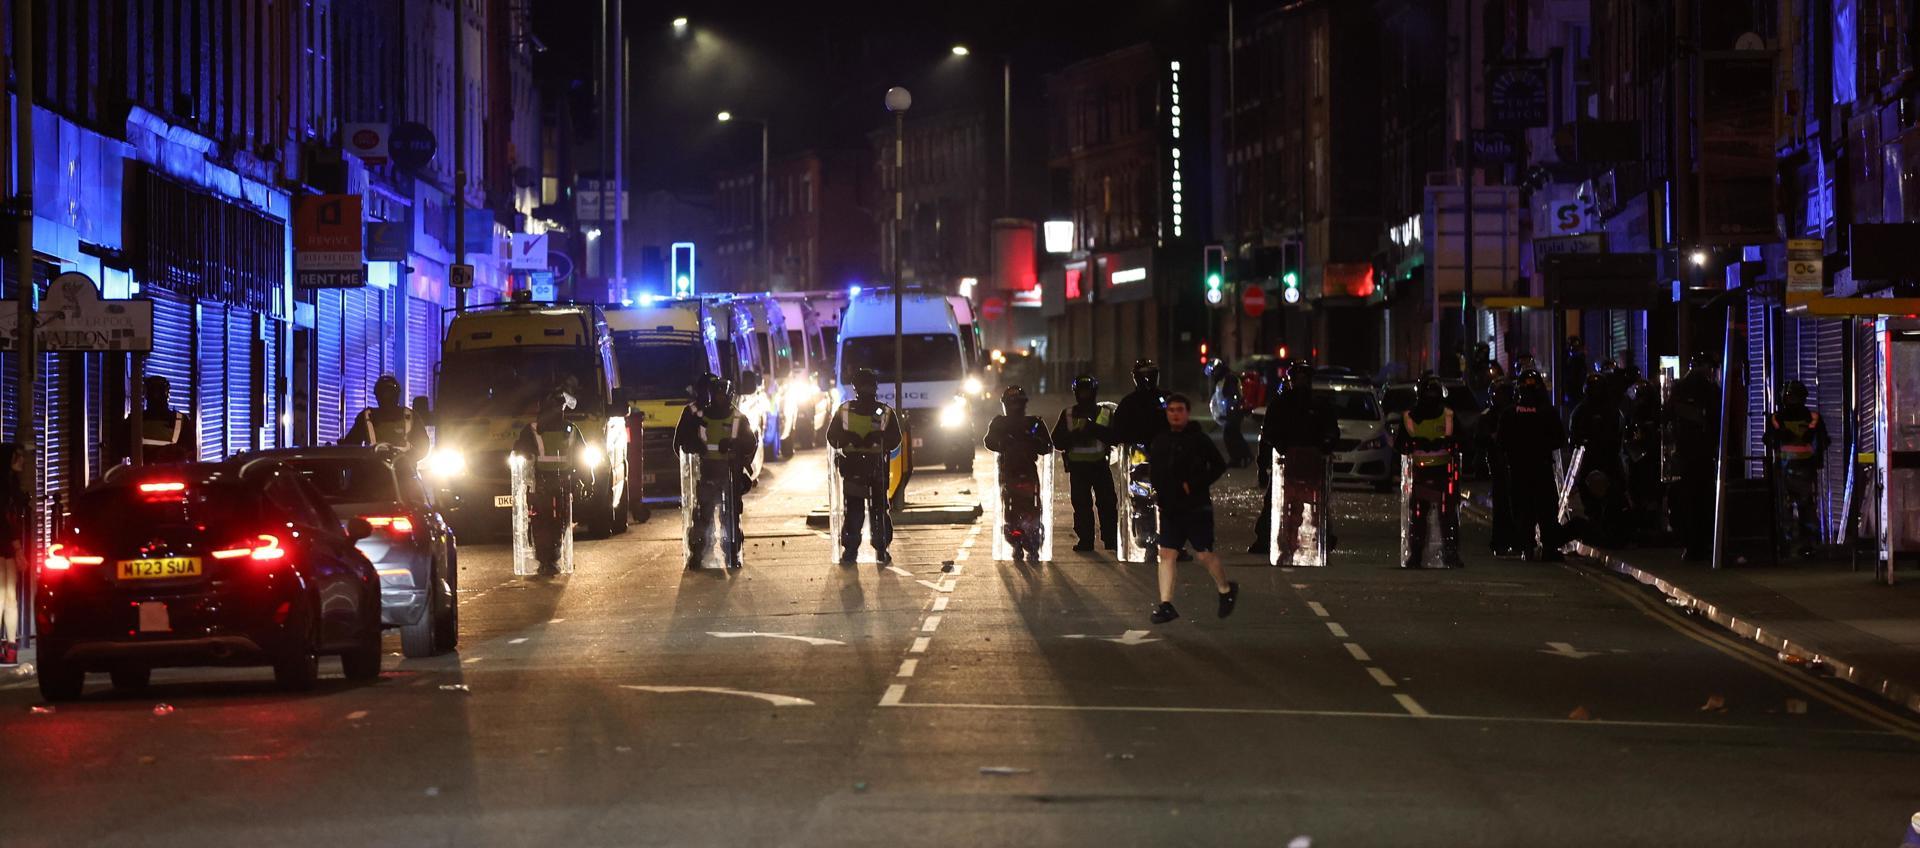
(955, 700)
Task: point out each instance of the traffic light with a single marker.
(681, 270)
(1290, 272)
(1214, 271)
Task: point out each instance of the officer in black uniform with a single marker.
(1798, 438)
(1693, 429)
(1505, 538)
(1528, 435)
(1022, 442)
(714, 430)
(865, 432)
(1644, 487)
(388, 422)
(1084, 433)
(165, 435)
(551, 445)
(1139, 417)
(1229, 411)
(1597, 425)
(1301, 427)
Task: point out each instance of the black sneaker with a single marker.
(883, 558)
(1083, 546)
(1258, 550)
(693, 563)
(1163, 613)
(1228, 598)
(548, 569)
(849, 557)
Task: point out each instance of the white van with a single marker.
(935, 404)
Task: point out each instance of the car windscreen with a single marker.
(348, 480)
(1355, 406)
(120, 515)
(931, 356)
(509, 381)
(661, 371)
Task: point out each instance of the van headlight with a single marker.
(972, 386)
(954, 414)
(446, 462)
(592, 456)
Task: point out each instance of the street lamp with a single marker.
(1006, 128)
(680, 26)
(766, 248)
(898, 100)
(961, 50)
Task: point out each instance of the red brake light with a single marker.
(163, 491)
(261, 548)
(60, 558)
(173, 486)
(400, 525)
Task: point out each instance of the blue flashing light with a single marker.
(853, 291)
(646, 298)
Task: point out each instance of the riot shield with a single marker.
(838, 490)
(1428, 528)
(1138, 518)
(1570, 482)
(709, 513)
(1299, 532)
(1024, 515)
(542, 519)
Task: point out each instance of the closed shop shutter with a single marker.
(172, 356)
(1830, 374)
(1760, 330)
(210, 407)
(423, 346)
(241, 388)
(270, 369)
(355, 364)
(96, 415)
(326, 372)
(390, 325)
(56, 425)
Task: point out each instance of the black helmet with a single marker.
(1085, 388)
(386, 389)
(1429, 391)
(1701, 362)
(1595, 381)
(1145, 372)
(718, 393)
(865, 383)
(1299, 375)
(1531, 388)
(1014, 401)
(1795, 394)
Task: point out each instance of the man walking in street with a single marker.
(1798, 438)
(1185, 465)
(1084, 432)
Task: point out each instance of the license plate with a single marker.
(164, 568)
(503, 501)
(919, 443)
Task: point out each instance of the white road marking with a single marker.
(1337, 630)
(920, 645)
(937, 587)
(21, 685)
(356, 715)
(907, 668)
(900, 571)
(769, 697)
(516, 641)
(1380, 676)
(961, 555)
(471, 660)
(940, 603)
(893, 695)
(748, 634)
(556, 621)
(1359, 654)
(1412, 706)
(1317, 608)
(1131, 637)
(1299, 585)
(931, 624)
(1565, 649)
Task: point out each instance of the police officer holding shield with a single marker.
(713, 430)
(1798, 438)
(1084, 433)
(1428, 439)
(552, 445)
(1693, 430)
(864, 432)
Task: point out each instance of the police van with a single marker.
(496, 363)
(935, 405)
(661, 345)
(806, 395)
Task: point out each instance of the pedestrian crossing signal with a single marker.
(1214, 273)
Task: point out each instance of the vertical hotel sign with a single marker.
(327, 242)
(1175, 184)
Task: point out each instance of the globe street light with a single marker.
(680, 26)
(961, 50)
(766, 248)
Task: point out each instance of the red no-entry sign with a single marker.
(1254, 300)
(993, 309)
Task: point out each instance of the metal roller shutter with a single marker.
(423, 346)
(327, 355)
(1830, 375)
(56, 425)
(354, 382)
(241, 388)
(210, 406)
(172, 355)
(270, 370)
(391, 324)
(1758, 382)
(96, 414)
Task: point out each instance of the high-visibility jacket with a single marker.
(1434, 432)
(396, 430)
(1091, 451)
(862, 425)
(1796, 436)
(550, 448)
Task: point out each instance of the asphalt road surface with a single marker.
(798, 702)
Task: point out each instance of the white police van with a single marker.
(935, 405)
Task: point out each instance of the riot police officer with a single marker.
(388, 422)
(1022, 443)
(1084, 433)
(715, 432)
(1301, 429)
(1798, 438)
(1139, 417)
(1229, 411)
(552, 445)
(1693, 431)
(165, 435)
(1505, 536)
(1428, 438)
(1597, 425)
(865, 432)
(1528, 434)
(1644, 488)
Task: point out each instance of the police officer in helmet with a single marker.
(1528, 435)
(1084, 433)
(1022, 442)
(552, 446)
(165, 435)
(1693, 434)
(865, 432)
(389, 422)
(714, 430)
(1428, 437)
(1141, 415)
(1798, 438)
(1300, 428)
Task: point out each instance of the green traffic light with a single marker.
(1291, 279)
(1213, 281)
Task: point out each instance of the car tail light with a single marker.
(399, 525)
(163, 490)
(62, 557)
(262, 548)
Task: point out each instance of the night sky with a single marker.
(817, 70)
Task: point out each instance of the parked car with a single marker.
(412, 547)
(239, 562)
(1364, 453)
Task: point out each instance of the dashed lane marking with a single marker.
(1317, 608)
(1412, 706)
(1358, 653)
(940, 603)
(907, 668)
(931, 624)
(1335, 628)
(518, 641)
(893, 695)
(1381, 677)
(920, 645)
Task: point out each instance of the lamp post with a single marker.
(1006, 128)
(766, 246)
(898, 101)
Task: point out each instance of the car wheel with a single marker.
(362, 662)
(446, 625)
(421, 638)
(619, 509)
(297, 668)
(131, 679)
(59, 680)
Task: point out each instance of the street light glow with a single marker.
(961, 50)
(679, 23)
(1698, 257)
(725, 117)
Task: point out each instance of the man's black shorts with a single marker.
(1190, 528)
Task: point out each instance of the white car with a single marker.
(1364, 453)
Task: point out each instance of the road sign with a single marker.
(993, 309)
(327, 234)
(412, 145)
(389, 241)
(529, 251)
(367, 141)
(460, 276)
(1517, 95)
(1805, 266)
(1253, 299)
(73, 318)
